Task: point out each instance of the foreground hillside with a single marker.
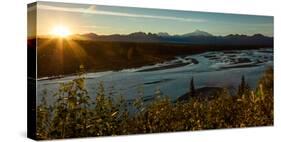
(75, 114)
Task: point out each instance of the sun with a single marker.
(60, 31)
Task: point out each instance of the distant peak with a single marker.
(198, 30)
(138, 34)
(198, 33)
(163, 34)
(258, 35)
(91, 34)
(243, 35)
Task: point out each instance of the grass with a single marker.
(75, 114)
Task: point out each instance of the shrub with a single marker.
(75, 114)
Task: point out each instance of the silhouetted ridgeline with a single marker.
(64, 56)
(196, 37)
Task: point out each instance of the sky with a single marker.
(106, 20)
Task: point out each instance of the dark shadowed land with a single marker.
(57, 57)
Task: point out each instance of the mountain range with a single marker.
(196, 37)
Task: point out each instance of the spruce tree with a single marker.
(243, 88)
(192, 88)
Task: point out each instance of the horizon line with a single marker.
(124, 34)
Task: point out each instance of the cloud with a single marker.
(93, 27)
(92, 10)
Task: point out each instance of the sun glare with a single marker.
(60, 31)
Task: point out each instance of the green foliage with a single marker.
(75, 114)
